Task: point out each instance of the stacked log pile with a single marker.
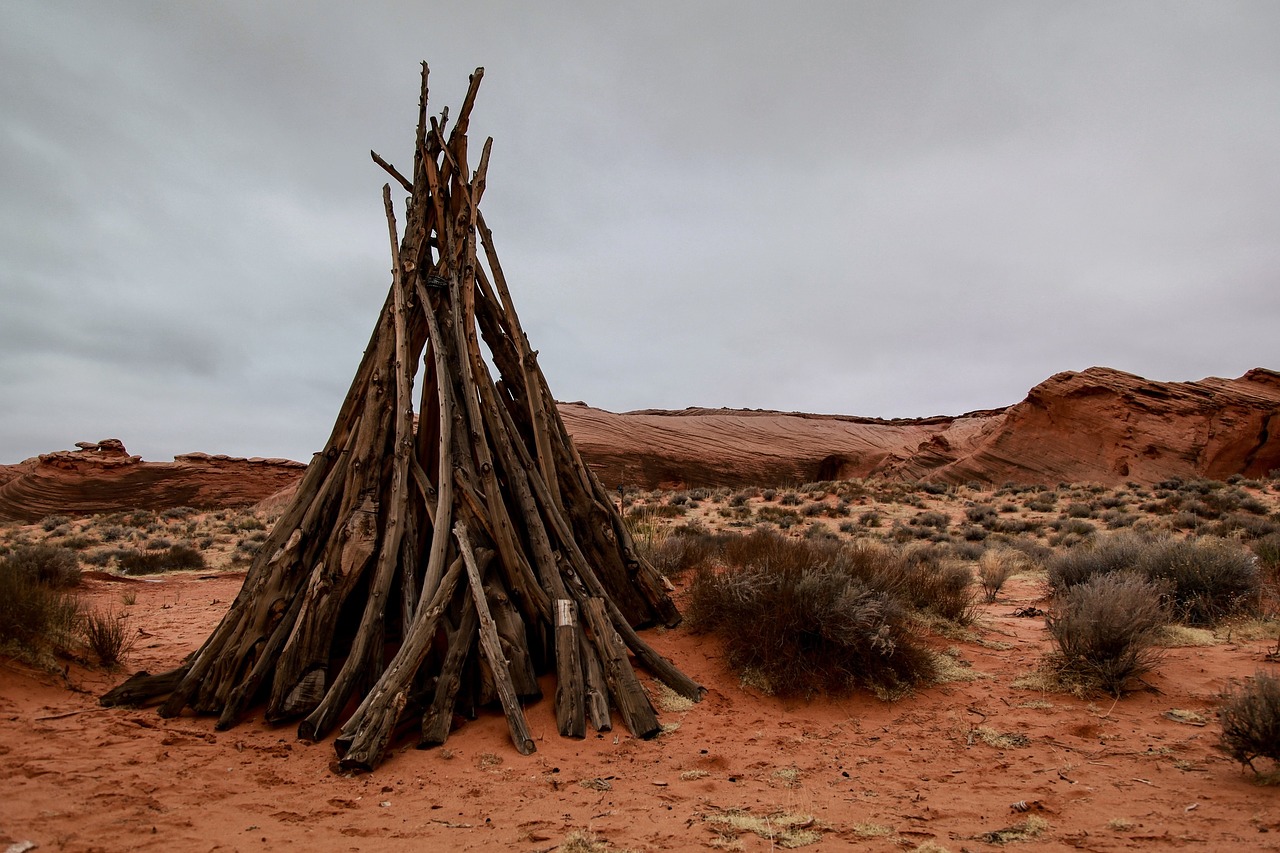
(448, 545)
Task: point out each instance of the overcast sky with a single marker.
(891, 209)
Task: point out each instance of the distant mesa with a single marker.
(103, 477)
(1098, 426)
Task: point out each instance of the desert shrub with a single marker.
(1205, 579)
(174, 558)
(740, 499)
(1250, 715)
(1267, 550)
(995, 566)
(1117, 518)
(139, 518)
(870, 518)
(177, 512)
(784, 518)
(839, 509)
(769, 494)
(640, 513)
(1015, 525)
(679, 499)
(933, 488)
(1079, 510)
(813, 508)
(109, 636)
(51, 523)
(930, 582)
(1245, 526)
(933, 519)
(46, 564)
(103, 556)
(1079, 565)
(1106, 630)
(77, 542)
(969, 551)
(675, 555)
(848, 527)
(818, 530)
(1042, 502)
(114, 532)
(1208, 578)
(35, 617)
(789, 499)
(973, 533)
(800, 618)
(981, 514)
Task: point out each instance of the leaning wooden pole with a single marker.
(441, 551)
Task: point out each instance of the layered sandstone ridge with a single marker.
(1098, 425)
(103, 477)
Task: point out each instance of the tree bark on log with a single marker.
(438, 554)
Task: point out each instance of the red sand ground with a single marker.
(79, 777)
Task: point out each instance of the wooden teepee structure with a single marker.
(438, 557)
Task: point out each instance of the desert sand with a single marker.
(960, 766)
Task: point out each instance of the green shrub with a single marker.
(1106, 629)
(1250, 715)
(46, 564)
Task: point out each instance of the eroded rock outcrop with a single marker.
(103, 477)
(1098, 425)
(1107, 426)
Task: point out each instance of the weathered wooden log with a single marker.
(570, 684)
(491, 646)
(624, 688)
(437, 720)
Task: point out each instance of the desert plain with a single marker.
(986, 755)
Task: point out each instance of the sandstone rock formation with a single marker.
(102, 477)
(1098, 425)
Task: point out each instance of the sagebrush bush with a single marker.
(174, 558)
(47, 564)
(1206, 579)
(808, 616)
(35, 617)
(675, 554)
(1250, 715)
(1106, 630)
(109, 636)
(1209, 579)
(930, 582)
(995, 566)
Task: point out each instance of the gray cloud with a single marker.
(892, 209)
